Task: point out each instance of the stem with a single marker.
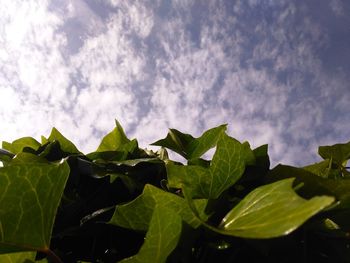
(50, 254)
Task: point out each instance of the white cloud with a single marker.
(32, 67)
(187, 93)
(186, 68)
(137, 16)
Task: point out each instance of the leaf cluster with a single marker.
(122, 203)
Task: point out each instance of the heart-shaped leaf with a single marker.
(30, 193)
(161, 238)
(137, 213)
(227, 166)
(272, 210)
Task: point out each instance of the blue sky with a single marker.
(276, 71)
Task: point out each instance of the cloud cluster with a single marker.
(33, 74)
(259, 66)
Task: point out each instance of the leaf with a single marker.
(162, 237)
(27, 158)
(207, 141)
(321, 169)
(338, 153)
(66, 145)
(113, 140)
(18, 145)
(29, 196)
(313, 184)
(107, 156)
(44, 140)
(19, 257)
(5, 156)
(271, 211)
(134, 162)
(262, 157)
(226, 168)
(188, 146)
(137, 214)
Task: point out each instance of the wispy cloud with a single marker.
(258, 66)
(32, 67)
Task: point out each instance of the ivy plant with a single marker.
(122, 203)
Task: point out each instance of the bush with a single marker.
(123, 203)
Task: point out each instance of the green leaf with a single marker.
(27, 158)
(321, 169)
(44, 140)
(18, 145)
(65, 145)
(113, 140)
(137, 214)
(188, 146)
(226, 168)
(107, 156)
(19, 257)
(162, 237)
(271, 211)
(176, 141)
(207, 141)
(5, 156)
(338, 153)
(134, 162)
(29, 196)
(313, 184)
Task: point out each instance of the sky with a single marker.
(277, 72)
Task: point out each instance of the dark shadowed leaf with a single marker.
(338, 153)
(262, 159)
(313, 184)
(188, 146)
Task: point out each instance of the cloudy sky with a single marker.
(276, 71)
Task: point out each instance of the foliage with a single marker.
(123, 203)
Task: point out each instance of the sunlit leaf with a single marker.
(113, 140)
(65, 144)
(29, 196)
(161, 238)
(19, 257)
(18, 145)
(321, 169)
(272, 210)
(226, 168)
(137, 214)
(134, 162)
